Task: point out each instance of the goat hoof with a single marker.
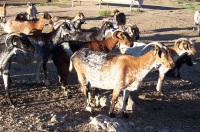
(124, 115)
(12, 105)
(46, 82)
(69, 96)
(88, 108)
(112, 115)
(160, 93)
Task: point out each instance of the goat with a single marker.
(80, 15)
(78, 23)
(120, 19)
(108, 26)
(180, 47)
(184, 59)
(43, 44)
(3, 12)
(27, 27)
(98, 69)
(31, 11)
(78, 40)
(61, 57)
(197, 20)
(133, 31)
(22, 16)
(13, 43)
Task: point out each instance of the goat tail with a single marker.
(70, 65)
(71, 62)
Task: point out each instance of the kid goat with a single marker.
(117, 72)
(12, 44)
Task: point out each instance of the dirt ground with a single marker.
(178, 110)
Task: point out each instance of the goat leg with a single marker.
(113, 102)
(63, 72)
(6, 83)
(125, 101)
(44, 64)
(84, 89)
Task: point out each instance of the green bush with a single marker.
(104, 12)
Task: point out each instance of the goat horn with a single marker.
(116, 31)
(154, 43)
(180, 39)
(10, 36)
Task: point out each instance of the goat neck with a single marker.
(175, 50)
(62, 34)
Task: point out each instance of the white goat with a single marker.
(197, 20)
(32, 11)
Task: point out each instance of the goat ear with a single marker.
(185, 46)
(156, 51)
(122, 36)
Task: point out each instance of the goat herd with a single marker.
(89, 51)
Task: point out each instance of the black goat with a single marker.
(13, 43)
(22, 16)
(184, 59)
(108, 26)
(133, 31)
(43, 44)
(120, 19)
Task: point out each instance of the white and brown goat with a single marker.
(116, 71)
(27, 27)
(61, 57)
(181, 46)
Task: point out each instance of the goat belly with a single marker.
(98, 70)
(102, 79)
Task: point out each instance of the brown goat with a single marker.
(116, 71)
(119, 37)
(3, 12)
(27, 27)
(80, 15)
